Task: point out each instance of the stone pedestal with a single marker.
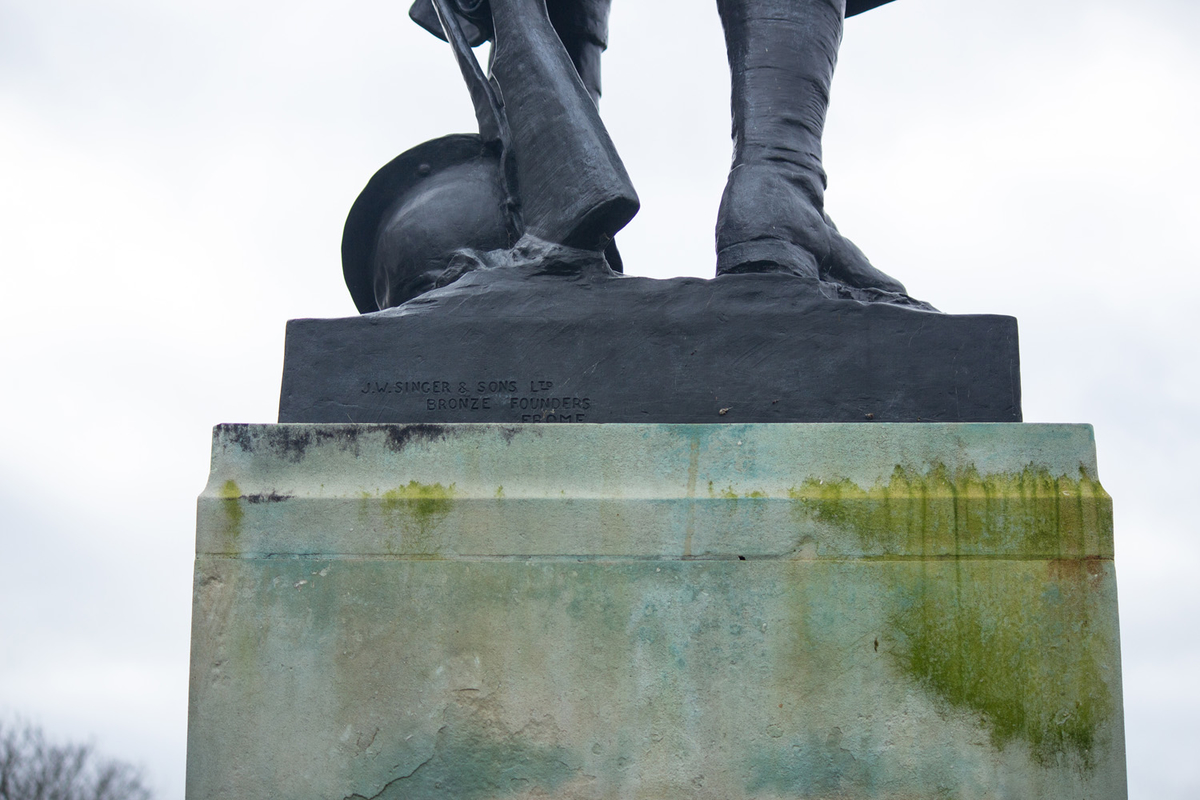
(655, 611)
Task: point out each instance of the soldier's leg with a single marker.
(772, 218)
(582, 25)
(572, 185)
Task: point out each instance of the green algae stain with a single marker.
(1028, 514)
(423, 501)
(729, 493)
(420, 509)
(231, 495)
(1016, 644)
(1000, 612)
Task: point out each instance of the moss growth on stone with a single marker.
(1020, 653)
(422, 501)
(231, 495)
(1028, 514)
(728, 493)
(1014, 645)
(420, 509)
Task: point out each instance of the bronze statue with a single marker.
(489, 259)
(543, 166)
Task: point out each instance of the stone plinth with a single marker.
(658, 611)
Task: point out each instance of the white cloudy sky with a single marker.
(173, 180)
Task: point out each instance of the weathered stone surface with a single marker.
(767, 611)
(507, 346)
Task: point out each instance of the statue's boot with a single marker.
(782, 55)
(572, 185)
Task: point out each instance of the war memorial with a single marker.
(532, 528)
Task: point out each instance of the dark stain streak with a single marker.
(235, 434)
(290, 443)
(400, 436)
(344, 436)
(267, 498)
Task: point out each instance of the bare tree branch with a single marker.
(32, 768)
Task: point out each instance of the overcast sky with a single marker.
(174, 176)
